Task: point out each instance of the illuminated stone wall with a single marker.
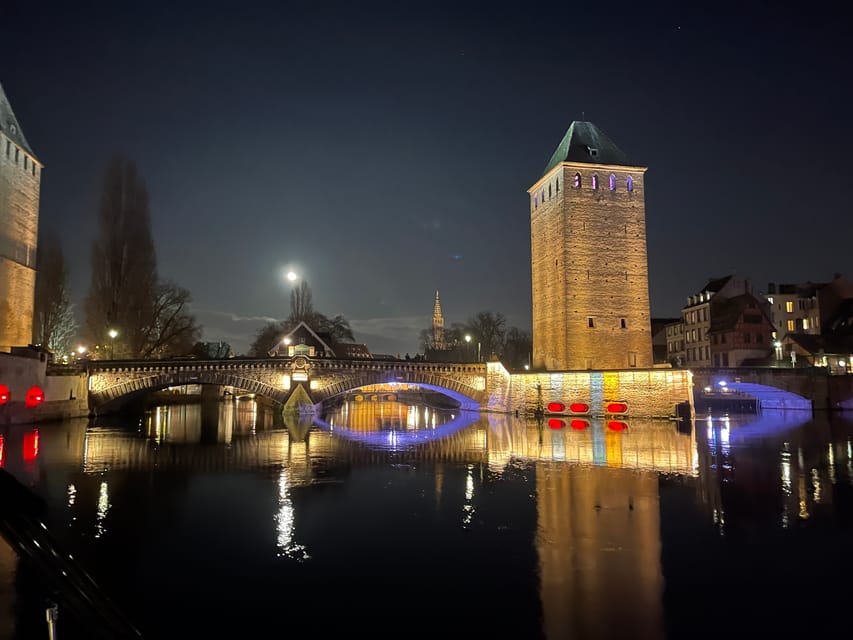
(649, 393)
(589, 265)
(20, 180)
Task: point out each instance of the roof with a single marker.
(586, 143)
(9, 124)
(728, 312)
(817, 343)
(715, 285)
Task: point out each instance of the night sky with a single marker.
(384, 150)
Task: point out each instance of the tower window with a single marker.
(623, 323)
(577, 181)
(17, 154)
(612, 182)
(590, 322)
(8, 148)
(549, 191)
(595, 181)
(535, 201)
(558, 185)
(630, 183)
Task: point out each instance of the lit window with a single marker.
(805, 324)
(792, 325)
(630, 183)
(770, 299)
(789, 306)
(612, 182)
(595, 182)
(577, 181)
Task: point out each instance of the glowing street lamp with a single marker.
(286, 343)
(113, 334)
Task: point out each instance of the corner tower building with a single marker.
(20, 182)
(589, 262)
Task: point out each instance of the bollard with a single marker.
(52, 613)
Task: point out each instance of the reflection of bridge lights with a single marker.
(72, 495)
(722, 383)
(468, 508)
(103, 508)
(284, 521)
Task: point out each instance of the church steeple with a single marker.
(438, 325)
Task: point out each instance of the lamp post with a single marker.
(467, 344)
(778, 346)
(286, 343)
(112, 333)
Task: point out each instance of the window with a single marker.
(8, 148)
(535, 201)
(630, 183)
(612, 182)
(17, 154)
(595, 181)
(725, 359)
(792, 325)
(549, 191)
(558, 185)
(770, 299)
(632, 359)
(590, 323)
(623, 323)
(577, 181)
(789, 306)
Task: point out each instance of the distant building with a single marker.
(302, 340)
(833, 352)
(438, 341)
(588, 257)
(20, 184)
(741, 331)
(807, 307)
(661, 338)
(697, 316)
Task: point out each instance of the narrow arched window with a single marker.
(595, 181)
(612, 182)
(630, 183)
(549, 192)
(535, 201)
(558, 185)
(577, 181)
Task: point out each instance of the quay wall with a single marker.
(649, 393)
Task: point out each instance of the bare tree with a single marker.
(301, 307)
(123, 287)
(517, 348)
(53, 319)
(488, 329)
(172, 330)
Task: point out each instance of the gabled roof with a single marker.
(830, 345)
(715, 285)
(9, 124)
(727, 312)
(586, 143)
(314, 334)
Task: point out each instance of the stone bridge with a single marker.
(290, 382)
(811, 388)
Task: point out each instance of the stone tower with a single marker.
(438, 326)
(20, 180)
(589, 263)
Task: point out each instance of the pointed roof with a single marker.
(436, 310)
(584, 142)
(9, 124)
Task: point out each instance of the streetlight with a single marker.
(112, 333)
(286, 342)
(778, 346)
(467, 344)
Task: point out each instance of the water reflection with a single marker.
(577, 510)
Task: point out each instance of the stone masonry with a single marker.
(20, 182)
(589, 261)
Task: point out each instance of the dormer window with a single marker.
(593, 152)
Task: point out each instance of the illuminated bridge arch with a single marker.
(465, 383)
(772, 388)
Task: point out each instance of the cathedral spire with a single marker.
(438, 325)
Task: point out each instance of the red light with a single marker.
(579, 407)
(616, 425)
(617, 407)
(35, 396)
(556, 407)
(31, 446)
(556, 424)
(4, 394)
(579, 425)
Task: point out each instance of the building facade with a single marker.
(20, 183)
(588, 257)
(806, 308)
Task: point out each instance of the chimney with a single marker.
(771, 287)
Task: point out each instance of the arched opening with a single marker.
(629, 183)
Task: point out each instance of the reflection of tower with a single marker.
(588, 257)
(20, 181)
(438, 326)
(599, 551)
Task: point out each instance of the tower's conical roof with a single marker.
(9, 124)
(584, 142)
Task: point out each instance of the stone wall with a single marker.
(589, 266)
(649, 393)
(20, 181)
